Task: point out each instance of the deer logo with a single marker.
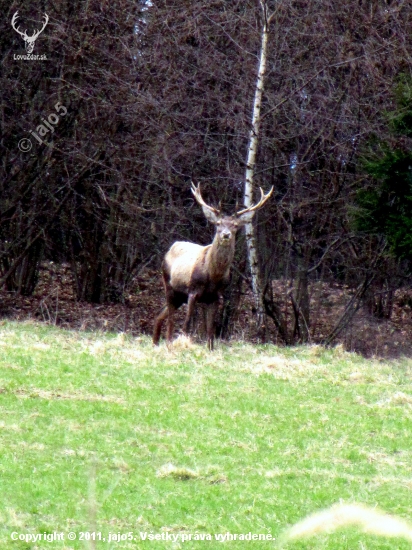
(29, 40)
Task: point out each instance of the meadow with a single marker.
(102, 433)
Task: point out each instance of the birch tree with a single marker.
(251, 164)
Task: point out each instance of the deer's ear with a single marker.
(245, 218)
(210, 215)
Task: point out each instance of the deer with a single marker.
(29, 40)
(197, 274)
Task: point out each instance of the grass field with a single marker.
(103, 434)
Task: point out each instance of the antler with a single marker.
(36, 34)
(24, 34)
(263, 199)
(13, 22)
(198, 197)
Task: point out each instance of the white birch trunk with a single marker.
(250, 170)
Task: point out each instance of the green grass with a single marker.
(101, 432)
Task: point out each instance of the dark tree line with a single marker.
(158, 94)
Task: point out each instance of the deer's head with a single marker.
(227, 226)
(29, 40)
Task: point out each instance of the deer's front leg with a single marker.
(210, 324)
(191, 302)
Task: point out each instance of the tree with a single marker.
(386, 204)
(251, 165)
(75, 197)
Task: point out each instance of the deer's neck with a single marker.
(220, 259)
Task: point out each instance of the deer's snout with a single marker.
(226, 235)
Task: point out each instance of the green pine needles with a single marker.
(386, 205)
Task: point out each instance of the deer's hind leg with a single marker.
(158, 324)
(174, 301)
(170, 322)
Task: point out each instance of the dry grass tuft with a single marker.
(370, 520)
(396, 399)
(210, 475)
(182, 342)
(356, 377)
(282, 368)
(135, 355)
(103, 345)
(75, 396)
(217, 479)
(316, 350)
(400, 398)
(177, 472)
(339, 351)
(41, 346)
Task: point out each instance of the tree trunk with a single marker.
(301, 304)
(250, 172)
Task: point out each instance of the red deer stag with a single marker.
(194, 273)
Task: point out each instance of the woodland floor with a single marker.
(54, 302)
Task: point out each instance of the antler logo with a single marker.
(29, 40)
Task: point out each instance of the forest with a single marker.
(129, 102)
